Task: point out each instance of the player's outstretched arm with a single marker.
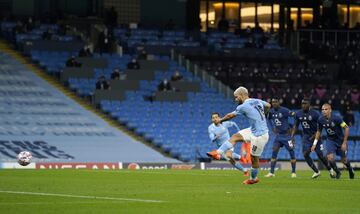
(228, 116)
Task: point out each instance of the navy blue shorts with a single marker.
(307, 144)
(283, 142)
(334, 147)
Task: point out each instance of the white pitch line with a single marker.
(46, 203)
(81, 196)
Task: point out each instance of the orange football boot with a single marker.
(214, 154)
(249, 181)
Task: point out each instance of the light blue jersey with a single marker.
(222, 130)
(253, 109)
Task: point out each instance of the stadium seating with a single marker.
(141, 37)
(180, 128)
(170, 125)
(38, 118)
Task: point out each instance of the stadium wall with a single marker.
(160, 13)
(37, 7)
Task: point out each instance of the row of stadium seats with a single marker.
(227, 40)
(136, 37)
(216, 40)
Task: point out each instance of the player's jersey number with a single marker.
(330, 131)
(305, 125)
(254, 148)
(277, 122)
(260, 110)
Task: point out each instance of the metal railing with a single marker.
(335, 37)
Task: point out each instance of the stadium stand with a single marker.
(39, 118)
(178, 126)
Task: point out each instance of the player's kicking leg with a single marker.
(216, 154)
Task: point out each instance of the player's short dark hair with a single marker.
(275, 98)
(215, 113)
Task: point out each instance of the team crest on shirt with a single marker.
(280, 115)
(310, 118)
(332, 124)
(300, 118)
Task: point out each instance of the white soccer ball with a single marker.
(24, 158)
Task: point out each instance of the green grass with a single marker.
(191, 191)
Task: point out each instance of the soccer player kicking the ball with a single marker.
(336, 139)
(254, 110)
(219, 134)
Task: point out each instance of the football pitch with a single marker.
(173, 191)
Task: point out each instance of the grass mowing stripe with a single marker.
(80, 196)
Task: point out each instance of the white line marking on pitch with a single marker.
(81, 196)
(45, 203)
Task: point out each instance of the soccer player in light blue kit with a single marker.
(336, 139)
(279, 120)
(219, 134)
(254, 110)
